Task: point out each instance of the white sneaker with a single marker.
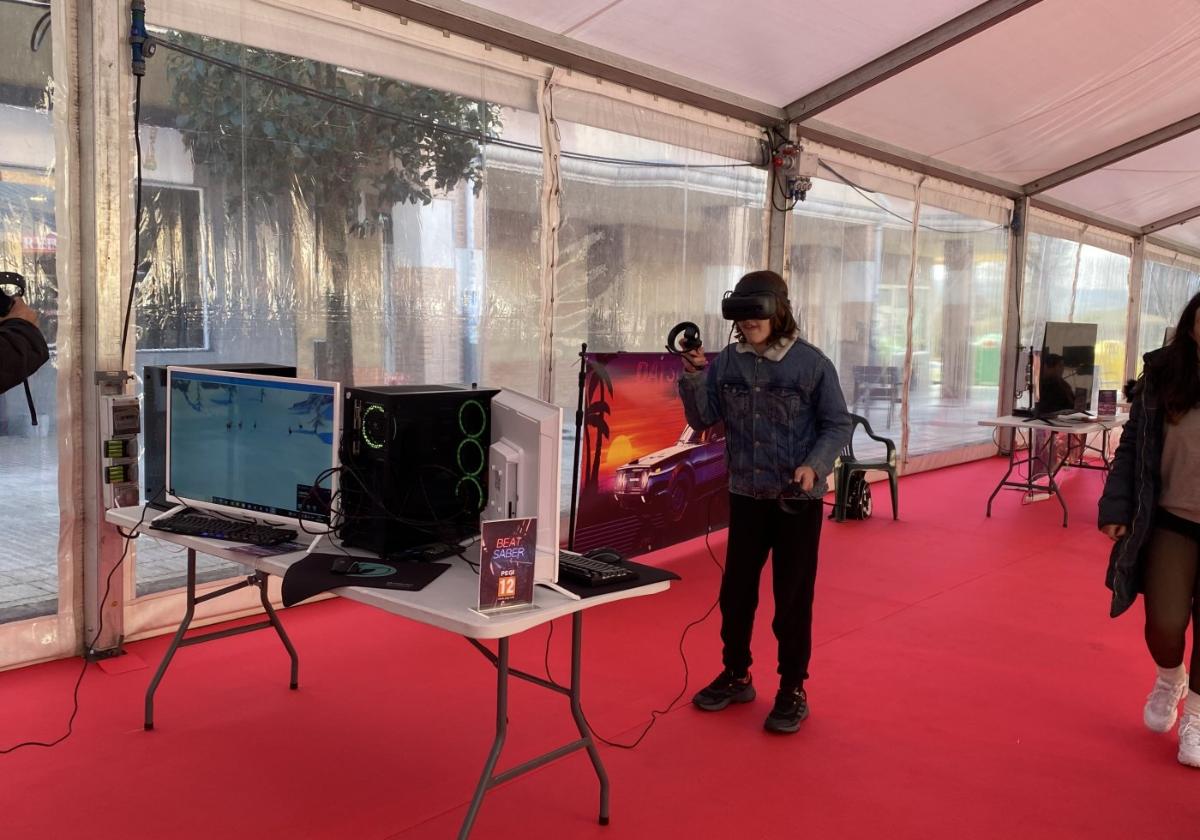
(1189, 740)
(1162, 706)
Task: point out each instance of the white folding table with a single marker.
(446, 603)
(1101, 425)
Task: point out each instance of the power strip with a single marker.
(120, 425)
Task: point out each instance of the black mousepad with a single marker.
(310, 576)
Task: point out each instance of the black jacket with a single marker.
(1132, 489)
(22, 351)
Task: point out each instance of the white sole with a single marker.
(1160, 725)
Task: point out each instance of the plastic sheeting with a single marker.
(644, 246)
(1169, 281)
(38, 463)
(308, 213)
(1070, 276)
(910, 315)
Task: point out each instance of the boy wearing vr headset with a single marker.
(786, 422)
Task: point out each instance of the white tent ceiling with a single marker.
(763, 49)
(1050, 86)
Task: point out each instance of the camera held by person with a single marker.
(22, 346)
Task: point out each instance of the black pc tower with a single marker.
(154, 419)
(414, 465)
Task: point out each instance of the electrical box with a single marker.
(807, 165)
(120, 426)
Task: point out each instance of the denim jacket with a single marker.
(782, 410)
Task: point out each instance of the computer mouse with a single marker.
(606, 555)
(343, 565)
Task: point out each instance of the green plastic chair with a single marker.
(847, 465)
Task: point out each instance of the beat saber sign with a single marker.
(506, 563)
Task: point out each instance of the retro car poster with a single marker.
(647, 480)
(506, 556)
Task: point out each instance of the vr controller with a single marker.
(683, 337)
(12, 285)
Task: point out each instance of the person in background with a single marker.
(1151, 510)
(22, 346)
(786, 422)
(1054, 391)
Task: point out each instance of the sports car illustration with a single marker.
(670, 480)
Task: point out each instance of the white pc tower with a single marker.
(525, 467)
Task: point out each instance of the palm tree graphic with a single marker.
(599, 388)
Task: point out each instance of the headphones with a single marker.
(683, 337)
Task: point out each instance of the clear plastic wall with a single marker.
(352, 224)
(852, 256)
(1168, 283)
(29, 455)
(1079, 276)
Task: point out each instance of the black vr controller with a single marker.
(12, 285)
(683, 338)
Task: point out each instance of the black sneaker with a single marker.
(722, 691)
(791, 708)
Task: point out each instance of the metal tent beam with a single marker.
(1171, 221)
(850, 141)
(1113, 155)
(508, 33)
(969, 23)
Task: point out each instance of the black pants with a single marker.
(756, 527)
(1172, 592)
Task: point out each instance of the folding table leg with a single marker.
(175, 640)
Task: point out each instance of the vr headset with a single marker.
(749, 306)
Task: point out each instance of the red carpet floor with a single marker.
(967, 682)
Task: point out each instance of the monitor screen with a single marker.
(252, 443)
(525, 471)
(1067, 368)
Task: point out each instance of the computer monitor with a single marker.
(525, 468)
(1067, 368)
(252, 444)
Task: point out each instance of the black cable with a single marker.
(655, 714)
(40, 30)
(428, 125)
(90, 650)
(776, 183)
(422, 526)
(864, 193)
(137, 215)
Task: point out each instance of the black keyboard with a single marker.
(216, 528)
(592, 572)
